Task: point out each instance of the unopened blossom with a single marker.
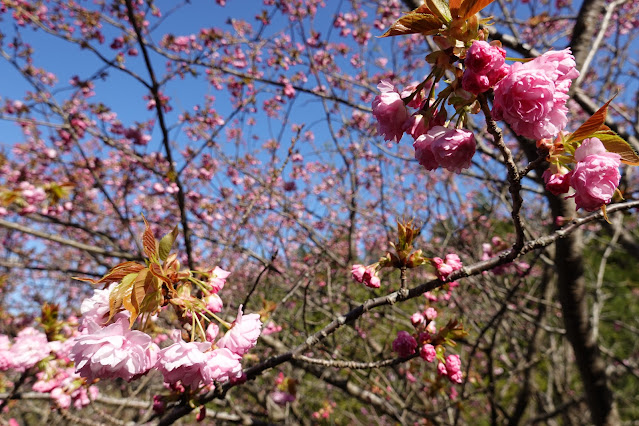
(371, 279)
(405, 344)
(448, 266)
(557, 183)
(183, 362)
(213, 303)
(113, 351)
(243, 333)
(29, 347)
(358, 272)
(532, 97)
(484, 67)
(482, 57)
(417, 319)
(211, 332)
(596, 175)
(366, 275)
(427, 352)
(390, 112)
(430, 313)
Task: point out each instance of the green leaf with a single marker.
(440, 9)
(121, 295)
(615, 143)
(591, 125)
(415, 23)
(166, 243)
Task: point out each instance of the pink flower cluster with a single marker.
(406, 344)
(452, 368)
(594, 178)
(366, 275)
(66, 388)
(112, 350)
(497, 245)
(28, 348)
(446, 267)
(452, 149)
(485, 67)
(532, 97)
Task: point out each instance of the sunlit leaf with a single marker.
(615, 143)
(468, 8)
(440, 9)
(591, 125)
(149, 242)
(415, 23)
(120, 296)
(166, 243)
(115, 274)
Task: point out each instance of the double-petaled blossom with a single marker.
(453, 368)
(532, 97)
(183, 362)
(221, 365)
(96, 308)
(29, 347)
(243, 334)
(427, 352)
(390, 112)
(452, 149)
(113, 351)
(596, 175)
(405, 344)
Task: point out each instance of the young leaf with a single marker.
(115, 274)
(120, 293)
(468, 8)
(149, 242)
(591, 125)
(615, 143)
(414, 23)
(440, 9)
(166, 243)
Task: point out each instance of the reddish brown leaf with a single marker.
(454, 6)
(156, 270)
(591, 125)
(469, 7)
(415, 23)
(148, 241)
(115, 274)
